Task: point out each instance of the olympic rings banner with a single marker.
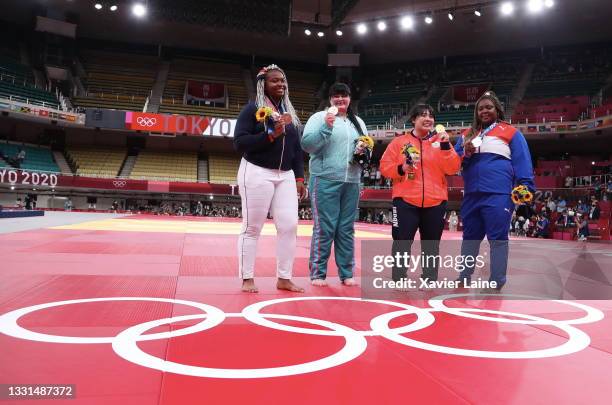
(179, 124)
(44, 179)
(143, 185)
(104, 184)
(125, 343)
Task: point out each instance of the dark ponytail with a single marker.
(353, 118)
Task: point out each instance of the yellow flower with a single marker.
(263, 113)
(521, 194)
(409, 150)
(368, 141)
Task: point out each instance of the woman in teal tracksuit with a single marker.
(334, 184)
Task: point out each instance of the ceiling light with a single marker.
(407, 22)
(307, 32)
(535, 6)
(507, 8)
(549, 3)
(320, 34)
(451, 16)
(381, 26)
(428, 19)
(139, 10)
(98, 6)
(113, 8)
(362, 28)
(339, 33)
(478, 12)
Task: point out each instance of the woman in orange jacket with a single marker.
(417, 163)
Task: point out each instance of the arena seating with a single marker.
(551, 109)
(96, 161)
(570, 71)
(574, 166)
(37, 158)
(17, 72)
(207, 70)
(117, 80)
(17, 83)
(500, 76)
(602, 111)
(223, 169)
(563, 87)
(303, 87)
(459, 116)
(166, 165)
(497, 69)
(386, 100)
(394, 89)
(27, 94)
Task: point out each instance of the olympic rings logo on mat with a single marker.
(119, 183)
(146, 121)
(125, 344)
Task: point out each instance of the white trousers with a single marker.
(261, 191)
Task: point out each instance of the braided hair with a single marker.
(260, 98)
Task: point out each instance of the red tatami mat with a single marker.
(185, 274)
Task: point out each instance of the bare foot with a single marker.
(248, 285)
(318, 282)
(285, 284)
(349, 282)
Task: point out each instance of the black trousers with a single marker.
(407, 218)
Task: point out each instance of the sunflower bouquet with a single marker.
(413, 157)
(267, 116)
(363, 150)
(521, 195)
(263, 113)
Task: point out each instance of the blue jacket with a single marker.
(502, 162)
(251, 139)
(331, 149)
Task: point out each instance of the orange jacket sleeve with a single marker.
(449, 161)
(391, 160)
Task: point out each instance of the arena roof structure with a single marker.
(278, 27)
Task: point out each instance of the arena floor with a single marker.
(147, 310)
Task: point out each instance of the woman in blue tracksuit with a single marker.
(334, 185)
(496, 158)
